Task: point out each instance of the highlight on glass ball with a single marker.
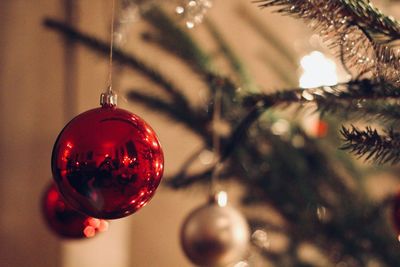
(215, 235)
(107, 162)
(65, 221)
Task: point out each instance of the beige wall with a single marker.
(30, 77)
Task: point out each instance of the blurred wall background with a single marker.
(45, 81)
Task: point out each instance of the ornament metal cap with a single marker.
(220, 198)
(109, 98)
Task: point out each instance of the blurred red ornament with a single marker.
(107, 162)
(321, 129)
(66, 221)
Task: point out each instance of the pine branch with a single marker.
(229, 147)
(374, 146)
(354, 98)
(177, 41)
(368, 17)
(236, 64)
(367, 110)
(123, 58)
(355, 25)
(326, 95)
(191, 119)
(240, 130)
(356, 12)
(382, 111)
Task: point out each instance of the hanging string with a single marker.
(110, 65)
(216, 142)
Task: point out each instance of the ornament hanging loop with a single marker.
(109, 98)
(216, 143)
(219, 198)
(214, 184)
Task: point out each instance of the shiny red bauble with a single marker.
(65, 221)
(107, 162)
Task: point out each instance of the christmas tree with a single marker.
(308, 180)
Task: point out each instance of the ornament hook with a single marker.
(109, 98)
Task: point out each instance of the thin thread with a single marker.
(216, 142)
(110, 65)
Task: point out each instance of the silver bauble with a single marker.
(214, 235)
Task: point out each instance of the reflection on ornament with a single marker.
(214, 235)
(65, 221)
(260, 239)
(318, 70)
(107, 162)
(193, 11)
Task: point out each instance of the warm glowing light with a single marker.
(89, 231)
(179, 10)
(318, 70)
(94, 225)
(103, 226)
(280, 127)
(93, 222)
(189, 24)
(241, 264)
(222, 199)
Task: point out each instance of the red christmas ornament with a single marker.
(66, 222)
(107, 162)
